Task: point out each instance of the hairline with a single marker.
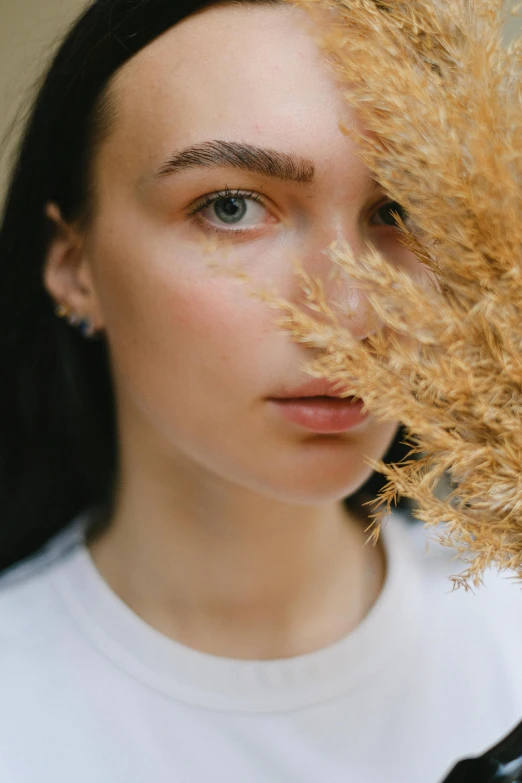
(105, 111)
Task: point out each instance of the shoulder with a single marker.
(35, 634)
(486, 619)
(27, 600)
(39, 662)
(440, 562)
(497, 600)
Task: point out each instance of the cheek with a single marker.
(174, 326)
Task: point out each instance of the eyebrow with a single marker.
(268, 162)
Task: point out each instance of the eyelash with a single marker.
(211, 198)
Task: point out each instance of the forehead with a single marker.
(246, 72)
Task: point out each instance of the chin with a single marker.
(307, 488)
(326, 469)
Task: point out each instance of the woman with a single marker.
(211, 612)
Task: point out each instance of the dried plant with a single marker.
(441, 97)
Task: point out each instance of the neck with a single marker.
(234, 572)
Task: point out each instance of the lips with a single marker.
(318, 406)
(314, 388)
(322, 414)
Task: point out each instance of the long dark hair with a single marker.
(58, 452)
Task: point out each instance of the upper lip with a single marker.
(314, 388)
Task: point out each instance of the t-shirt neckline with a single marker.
(216, 683)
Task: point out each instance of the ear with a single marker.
(67, 273)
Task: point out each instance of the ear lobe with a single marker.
(66, 272)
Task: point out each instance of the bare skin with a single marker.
(228, 534)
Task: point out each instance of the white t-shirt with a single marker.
(89, 693)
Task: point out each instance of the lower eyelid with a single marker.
(207, 226)
(228, 232)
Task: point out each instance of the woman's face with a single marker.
(195, 358)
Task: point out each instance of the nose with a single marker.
(342, 293)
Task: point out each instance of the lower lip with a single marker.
(325, 415)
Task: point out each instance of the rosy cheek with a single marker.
(187, 321)
(213, 314)
(159, 294)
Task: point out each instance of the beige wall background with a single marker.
(29, 29)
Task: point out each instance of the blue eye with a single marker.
(230, 210)
(237, 209)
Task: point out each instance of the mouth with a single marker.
(317, 388)
(322, 414)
